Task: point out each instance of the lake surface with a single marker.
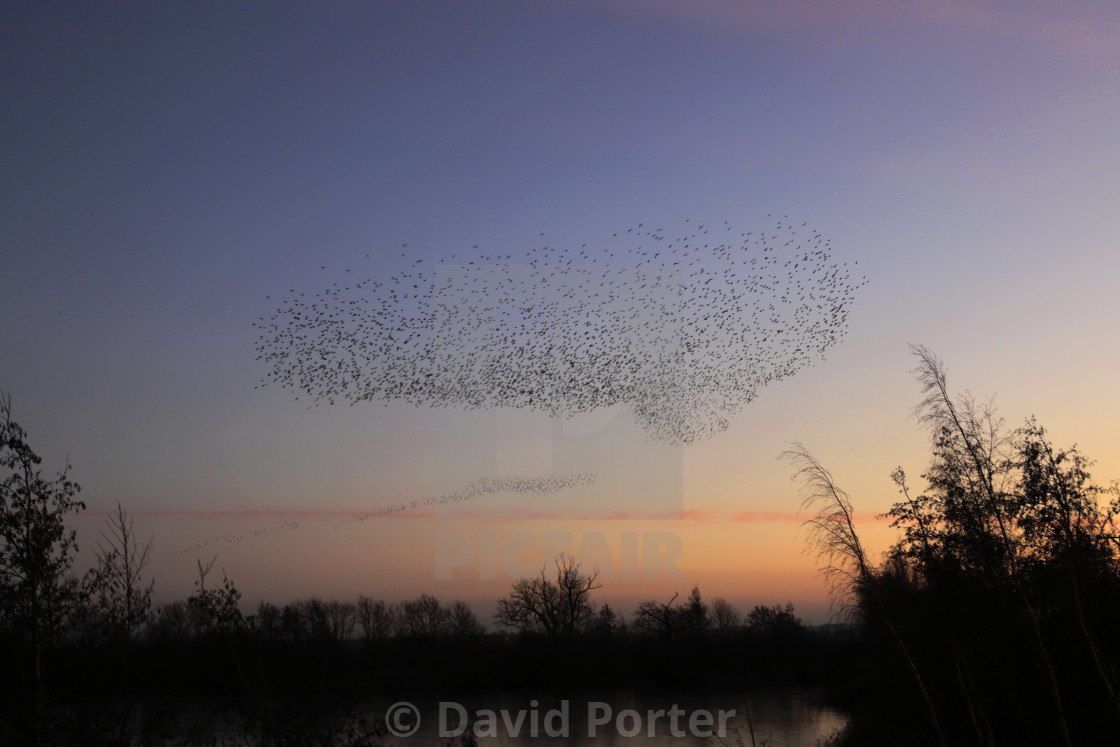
(781, 718)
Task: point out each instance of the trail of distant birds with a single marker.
(530, 486)
(684, 330)
(287, 526)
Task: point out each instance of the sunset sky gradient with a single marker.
(166, 166)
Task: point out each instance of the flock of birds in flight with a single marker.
(287, 526)
(684, 329)
(530, 486)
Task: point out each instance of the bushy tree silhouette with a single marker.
(775, 620)
(217, 606)
(37, 548)
(1001, 597)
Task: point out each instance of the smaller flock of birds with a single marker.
(232, 539)
(530, 486)
(683, 329)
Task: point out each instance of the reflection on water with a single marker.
(781, 718)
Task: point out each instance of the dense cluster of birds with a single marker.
(683, 329)
(229, 539)
(531, 486)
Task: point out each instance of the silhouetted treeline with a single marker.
(995, 618)
(316, 659)
(88, 660)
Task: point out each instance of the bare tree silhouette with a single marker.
(725, 617)
(557, 608)
(124, 600)
(423, 618)
(375, 618)
(658, 618)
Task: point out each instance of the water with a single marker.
(781, 718)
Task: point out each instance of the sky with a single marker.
(169, 172)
